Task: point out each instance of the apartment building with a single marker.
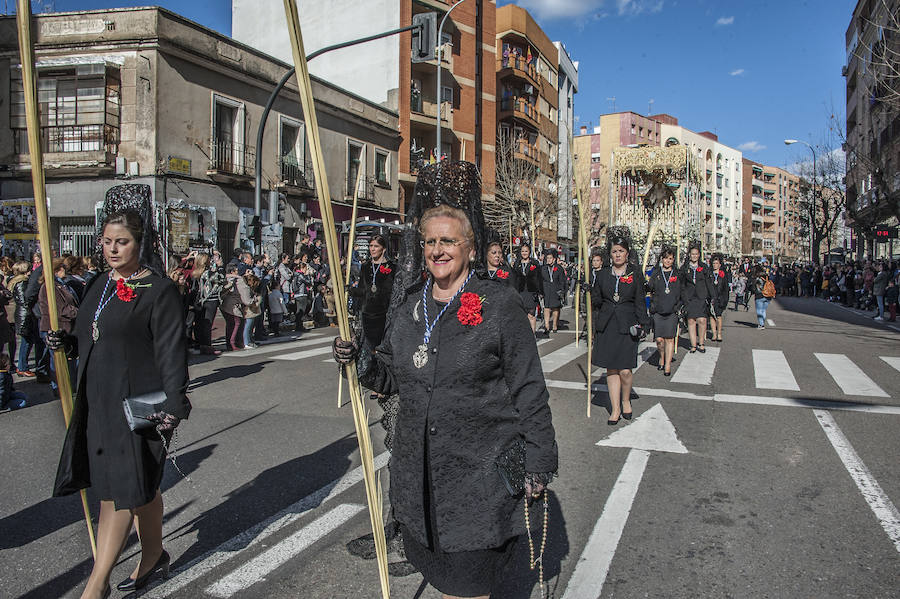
(528, 113)
(383, 71)
(873, 122)
(771, 215)
(567, 219)
(143, 95)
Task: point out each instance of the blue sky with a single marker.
(754, 72)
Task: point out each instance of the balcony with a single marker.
(519, 108)
(230, 162)
(425, 112)
(75, 145)
(296, 173)
(527, 151)
(366, 189)
(757, 218)
(518, 66)
(430, 65)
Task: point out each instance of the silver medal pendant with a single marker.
(420, 357)
(95, 331)
(374, 288)
(615, 297)
(667, 290)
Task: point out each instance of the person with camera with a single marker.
(129, 338)
(620, 320)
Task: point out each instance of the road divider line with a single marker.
(882, 506)
(770, 322)
(271, 348)
(772, 371)
(258, 532)
(559, 358)
(849, 377)
(308, 353)
(266, 562)
(645, 351)
(697, 368)
(895, 362)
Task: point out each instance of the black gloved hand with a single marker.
(345, 352)
(637, 331)
(164, 421)
(56, 340)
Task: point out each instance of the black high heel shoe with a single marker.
(627, 415)
(160, 567)
(659, 367)
(612, 422)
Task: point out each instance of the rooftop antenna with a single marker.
(613, 100)
(650, 106)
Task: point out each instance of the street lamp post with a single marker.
(440, 55)
(811, 213)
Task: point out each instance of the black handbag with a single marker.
(139, 408)
(511, 467)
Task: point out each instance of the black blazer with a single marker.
(551, 286)
(661, 302)
(629, 310)
(504, 274)
(702, 289)
(375, 304)
(720, 288)
(481, 390)
(529, 276)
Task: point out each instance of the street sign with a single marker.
(517, 240)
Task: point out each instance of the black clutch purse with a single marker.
(139, 408)
(511, 467)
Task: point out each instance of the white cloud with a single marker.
(736, 72)
(724, 21)
(751, 146)
(559, 9)
(636, 7)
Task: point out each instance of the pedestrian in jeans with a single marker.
(879, 287)
(285, 281)
(208, 278)
(235, 296)
(10, 399)
(251, 309)
(760, 278)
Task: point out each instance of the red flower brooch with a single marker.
(125, 291)
(385, 270)
(532, 267)
(502, 274)
(672, 279)
(721, 273)
(699, 269)
(554, 269)
(469, 312)
(628, 279)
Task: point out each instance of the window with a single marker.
(354, 164)
(447, 94)
(227, 149)
(640, 132)
(79, 108)
(382, 170)
(632, 128)
(595, 182)
(291, 152)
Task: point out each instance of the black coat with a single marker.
(375, 304)
(552, 284)
(631, 308)
(23, 316)
(663, 303)
(702, 289)
(141, 349)
(529, 276)
(721, 289)
(481, 390)
(505, 274)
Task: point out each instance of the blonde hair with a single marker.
(201, 263)
(21, 268)
(450, 212)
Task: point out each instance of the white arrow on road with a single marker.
(652, 431)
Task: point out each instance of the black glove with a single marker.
(345, 352)
(637, 331)
(60, 340)
(164, 422)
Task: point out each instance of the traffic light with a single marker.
(282, 207)
(424, 37)
(253, 228)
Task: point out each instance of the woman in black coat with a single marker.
(130, 341)
(620, 317)
(528, 283)
(474, 435)
(553, 287)
(665, 303)
(497, 268)
(721, 290)
(376, 280)
(23, 318)
(696, 295)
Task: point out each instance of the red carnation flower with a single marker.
(672, 279)
(532, 267)
(628, 279)
(699, 269)
(554, 269)
(502, 274)
(385, 270)
(721, 273)
(124, 291)
(469, 312)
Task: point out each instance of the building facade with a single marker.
(771, 214)
(567, 219)
(383, 71)
(872, 42)
(528, 112)
(143, 95)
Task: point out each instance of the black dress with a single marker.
(553, 282)
(697, 290)
(480, 392)
(375, 284)
(528, 283)
(614, 347)
(141, 349)
(504, 274)
(665, 290)
(721, 292)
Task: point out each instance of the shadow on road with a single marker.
(229, 372)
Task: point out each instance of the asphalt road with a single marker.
(767, 468)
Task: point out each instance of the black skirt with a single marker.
(615, 350)
(665, 325)
(696, 308)
(530, 299)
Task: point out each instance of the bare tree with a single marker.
(584, 172)
(880, 56)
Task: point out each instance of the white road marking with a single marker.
(271, 348)
(697, 368)
(895, 362)
(593, 565)
(309, 353)
(541, 342)
(559, 358)
(772, 371)
(882, 506)
(259, 532)
(645, 351)
(849, 377)
(266, 562)
(651, 431)
(770, 322)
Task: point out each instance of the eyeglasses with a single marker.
(441, 243)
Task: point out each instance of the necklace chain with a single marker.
(539, 562)
(429, 325)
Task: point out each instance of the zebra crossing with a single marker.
(772, 370)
